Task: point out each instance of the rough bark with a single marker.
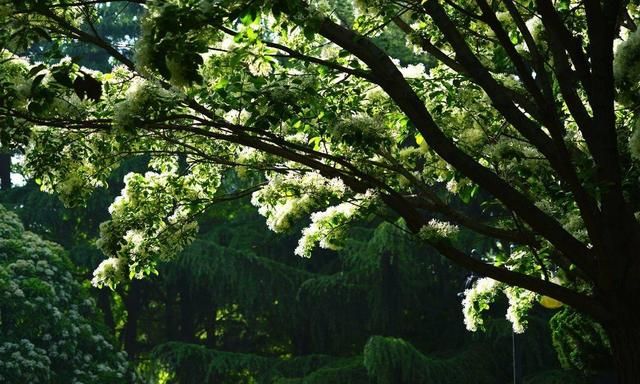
(5, 171)
(624, 336)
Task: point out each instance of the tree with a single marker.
(527, 108)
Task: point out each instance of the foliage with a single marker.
(581, 343)
(49, 327)
(391, 360)
(241, 368)
(557, 377)
(523, 106)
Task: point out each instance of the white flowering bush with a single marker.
(49, 328)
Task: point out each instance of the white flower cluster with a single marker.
(291, 196)
(452, 186)
(536, 28)
(109, 272)
(13, 75)
(436, 229)
(328, 227)
(520, 302)
(237, 117)
(412, 71)
(477, 300)
(361, 134)
(626, 67)
(74, 174)
(142, 99)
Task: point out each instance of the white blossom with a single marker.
(109, 272)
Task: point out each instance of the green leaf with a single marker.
(36, 81)
(35, 69)
(250, 16)
(63, 78)
(316, 142)
(221, 83)
(309, 33)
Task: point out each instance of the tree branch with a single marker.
(577, 300)
(401, 92)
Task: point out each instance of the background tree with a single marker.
(50, 331)
(338, 128)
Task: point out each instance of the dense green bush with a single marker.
(49, 327)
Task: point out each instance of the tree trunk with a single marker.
(5, 171)
(390, 292)
(624, 337)
(187, 317)
(132, 302)
(170, 317)
(104, 303)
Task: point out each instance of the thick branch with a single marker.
(406, 99)
(538, 60)
(577, 300)
(482, 76)
(457, 217)
(555, 26)
(523, 68)
(75, 33)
